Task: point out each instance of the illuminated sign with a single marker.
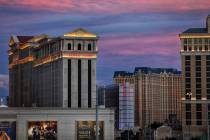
(42, 130)
(7, 130)
(86, 130)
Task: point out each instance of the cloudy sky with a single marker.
(132, 32)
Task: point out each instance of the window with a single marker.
(198, 79)
(187, 63)
(198, 62)
(79, 46)
(198, 68)
(199, 107)
(195, 41)
(198, 57)
(208, 57)
(188, 85)
(69, 46)
(206, 47)
(198, 96)
(187, 80)
(190, 48)
(188, 57)
(188, 107)
(188, 115)
(187, 68)
(185, 41)
(187, 74)
(79, 84)
(200, 48)
(198, 85)
(198, 74)
(89, 47)
(200, 41)
(189, 41)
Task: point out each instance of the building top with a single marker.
(196, 30)
(122, 73)
(147, 70)
(80, 32)
(23, 39)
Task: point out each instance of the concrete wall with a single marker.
(66, 120)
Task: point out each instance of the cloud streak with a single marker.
(110, 6)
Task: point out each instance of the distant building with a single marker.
(195, 59)
(157, 93)
(112, 101)
(121, 98)
(126, 106)
(49, 71)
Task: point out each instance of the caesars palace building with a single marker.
(52, 89)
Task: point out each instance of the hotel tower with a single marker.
(195, 59)
(47, 71)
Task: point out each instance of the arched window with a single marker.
(79, 46)
(69, 46)
(89, 47)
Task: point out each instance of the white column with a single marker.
(65, 82)
(84, 81)
(74, 84)
(93, 86)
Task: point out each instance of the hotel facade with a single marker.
(195, 59)
(49, 71)
(52, 86)
(157, 94)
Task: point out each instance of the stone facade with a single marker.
(195, 59)
(66, 120)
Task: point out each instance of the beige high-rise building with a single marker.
(195, 59)
(157, 94)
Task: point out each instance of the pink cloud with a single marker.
(111, 6)
(155, 44)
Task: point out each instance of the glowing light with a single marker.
(80, 33)
(69, 55)
(21, 61)
(182, 36)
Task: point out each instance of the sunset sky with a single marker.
(132, 32)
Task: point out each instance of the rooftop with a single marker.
(23, 39)
(196, 30)
(156, 70)
(80, 32)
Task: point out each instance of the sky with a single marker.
(133, 33)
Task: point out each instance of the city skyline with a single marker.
(132, 34)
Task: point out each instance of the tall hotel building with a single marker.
(49, 71)
(195, 58)
(157, 94)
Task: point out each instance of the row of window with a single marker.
(79, 46)
(198, 114)
(196, 41)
